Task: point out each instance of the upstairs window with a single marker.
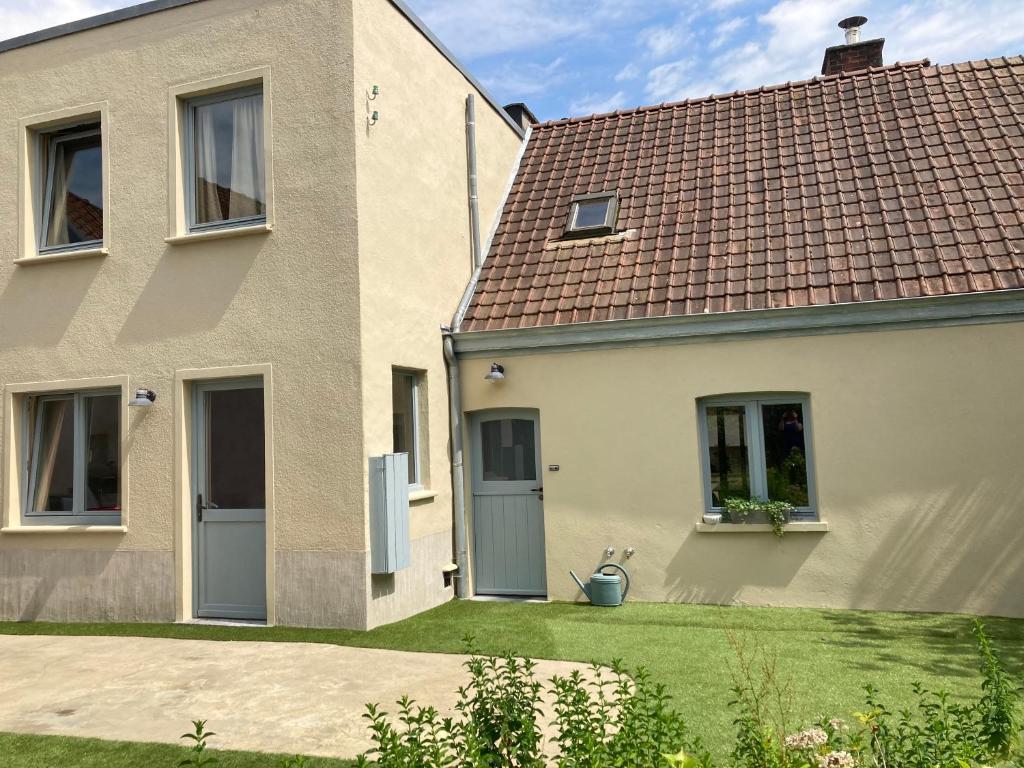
(592, 215)
(74, 457)
(758, 447)
(225, 160)
(71, 161)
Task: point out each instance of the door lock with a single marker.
(539, 491)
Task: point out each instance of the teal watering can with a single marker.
(604, 588)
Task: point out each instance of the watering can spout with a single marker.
(580, 584)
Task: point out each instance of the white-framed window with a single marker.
(225, 160)
(406, 422)
(70, 208)
(758, 446)
(593, 214)
(72, 457)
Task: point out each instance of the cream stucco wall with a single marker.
(414, 255)
(287, 299)
(916, 439)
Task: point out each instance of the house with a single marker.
(809, 292)
(229, 233)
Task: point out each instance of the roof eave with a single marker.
(883, 315)
(92, 22)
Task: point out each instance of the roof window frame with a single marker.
(611, 215)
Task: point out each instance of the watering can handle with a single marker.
(625, 575)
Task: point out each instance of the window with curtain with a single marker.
(405, 420)
(758, 447)
(72, 190)
(74, 457)
(226, 162)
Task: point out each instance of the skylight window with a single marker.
(592, 215)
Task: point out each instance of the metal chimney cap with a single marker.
(853, 22)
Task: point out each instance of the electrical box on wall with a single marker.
(389, 512)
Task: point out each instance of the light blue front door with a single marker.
(229, 502)
(508, 509)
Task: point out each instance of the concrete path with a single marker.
(268, 697)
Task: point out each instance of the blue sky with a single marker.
(572, 57)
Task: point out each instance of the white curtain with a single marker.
(208, 207)
(247, 162)
(57, 226)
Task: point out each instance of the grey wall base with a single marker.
(86, 585)
(321, 589)
(414, 589)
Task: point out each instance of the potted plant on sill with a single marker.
(777, 513)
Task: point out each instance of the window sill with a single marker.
(808, 527)
(51, 529)
(217, 234)
(421, 495)
(82, 253)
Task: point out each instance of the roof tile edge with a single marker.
(899, 65)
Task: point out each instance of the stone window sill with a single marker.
(422, 494)
(808, 527)
(43, 258)
(52, 529)
(218, 234)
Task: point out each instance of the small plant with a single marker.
(739, 510)
(197, 752)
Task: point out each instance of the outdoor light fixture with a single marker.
(143, 398)
(497, 373)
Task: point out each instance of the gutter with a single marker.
(474, 193)
(883, 315)
(458, 469)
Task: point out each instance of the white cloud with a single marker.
(726, 30)
(488, 27)
(667, 81)
(629, 72)
(663, 41)
(721, 5)
(19, 17)
(592, 104)
(521, 80)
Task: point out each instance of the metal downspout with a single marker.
(458, 471)
(474, 201)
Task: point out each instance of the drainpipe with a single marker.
(458, 473)
(474, 202)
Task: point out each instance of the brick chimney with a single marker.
(855, 54)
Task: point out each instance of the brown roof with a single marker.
(84, 217)
(898, 181)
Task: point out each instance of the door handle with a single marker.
(199, 507)
(540, 492)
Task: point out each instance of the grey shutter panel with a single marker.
(389, 512)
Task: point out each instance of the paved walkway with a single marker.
(270, 697)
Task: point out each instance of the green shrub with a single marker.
(599, 720)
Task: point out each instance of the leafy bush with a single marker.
(938, 733)
(599, 720)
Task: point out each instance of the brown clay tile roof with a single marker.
(898, 181)
(84, 217)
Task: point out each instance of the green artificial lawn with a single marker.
(23, 751)
(826, 656)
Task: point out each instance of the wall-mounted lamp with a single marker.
(497, 373)
(143, 398)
